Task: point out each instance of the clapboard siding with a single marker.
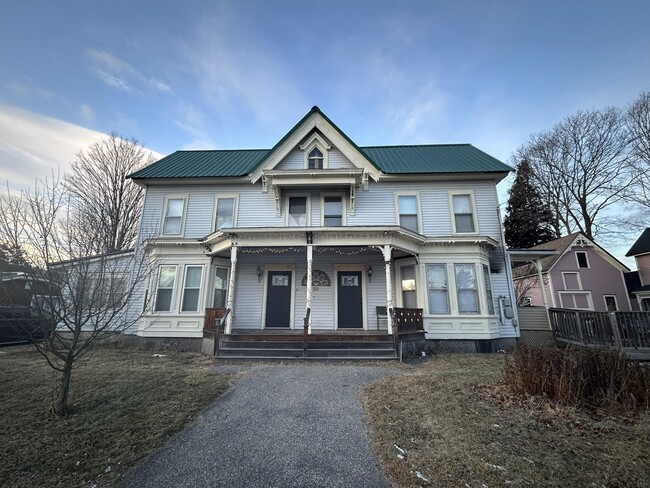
(296, 160)
(376, 206)
(249, 295)
(533, 318)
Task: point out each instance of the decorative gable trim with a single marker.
(315, 120)
(315, 142)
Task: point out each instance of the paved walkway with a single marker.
(289, 425)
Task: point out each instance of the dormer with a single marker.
(315, 150)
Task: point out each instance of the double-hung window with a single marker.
(408, 211)
(466, 289)
(173, 218)
(191, 288)
(332, 211)
(488, 289)
(437, 288)
(225, 213)
(297, 215)
(315, 159)
(463, 210)
(165, 288)
(220, 287)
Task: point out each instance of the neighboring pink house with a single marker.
(639, 281)
(582, 275)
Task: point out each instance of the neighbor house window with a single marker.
(610, 303)
(332, 211)
(581, 256)
(225, 217)
(297, 215)
(173, 219)
(315, 159)
(220, 287)
(437, 288)
(165, 289)
(571, 281)
(409, 296)
(488, 289)
(466, 288)
(408, 211)
(463, 213)
(578, 300)
(191, 288)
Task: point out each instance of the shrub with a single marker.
(579, 377)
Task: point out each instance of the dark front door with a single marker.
(350, 300)
(278, 299)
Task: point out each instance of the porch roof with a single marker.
(395, 236)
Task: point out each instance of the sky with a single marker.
(239, 74)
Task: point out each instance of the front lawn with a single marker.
(126, 404)
(457, 434)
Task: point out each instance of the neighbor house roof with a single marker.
(632, 281)
(642, 244)
(418, 159)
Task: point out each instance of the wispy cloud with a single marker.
(120, 74)
(235, 69)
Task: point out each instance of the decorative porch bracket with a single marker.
(231, 288)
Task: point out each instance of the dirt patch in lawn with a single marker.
(126, 404)
(457, 428)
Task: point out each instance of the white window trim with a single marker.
(590, 302)
(307, 208)
(235, 208)
(479, 300)
(343, 207)
(212, 279)
(172, 300)
(186, 199)
(183, 288)
(449, 298)
(472, 199)
(586, 258)
(485, 289)
(605, 297)
(418, 208)
(564, 273)
(315, 141)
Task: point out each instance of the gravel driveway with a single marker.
(280, 426)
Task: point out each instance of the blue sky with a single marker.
(239, 74)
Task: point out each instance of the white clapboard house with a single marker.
(319, 227)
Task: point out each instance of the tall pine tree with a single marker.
(528, 221)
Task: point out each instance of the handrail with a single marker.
(395, 327)
(219, 332)
(305, 333)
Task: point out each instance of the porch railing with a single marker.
(609, 330)
(215, 322)
(405, 321)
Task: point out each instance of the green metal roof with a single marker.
(431, 159)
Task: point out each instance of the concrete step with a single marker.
(350, 353)
(241, 344)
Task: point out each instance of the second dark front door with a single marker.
(278, 299)
(350, 300)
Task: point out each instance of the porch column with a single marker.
(387, 250)
(310, 258)
(538, 264)
(231, 288)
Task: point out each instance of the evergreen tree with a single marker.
(528, 221)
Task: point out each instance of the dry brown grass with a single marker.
(457, 434)
(126, 404)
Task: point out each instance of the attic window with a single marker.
(315, 159)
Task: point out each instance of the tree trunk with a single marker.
(64, 388)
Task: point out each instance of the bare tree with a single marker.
(85, 299)
(102, 196)
(638, 122)
(581, 167)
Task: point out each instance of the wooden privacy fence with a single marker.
(627, 332)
